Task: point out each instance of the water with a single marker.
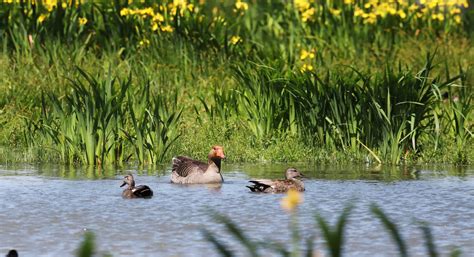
(44, 211)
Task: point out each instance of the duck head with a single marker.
(293, 173)
(128, 180)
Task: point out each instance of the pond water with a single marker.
(45, 210)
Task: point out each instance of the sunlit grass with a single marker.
(252, 75)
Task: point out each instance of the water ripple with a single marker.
(44, 215)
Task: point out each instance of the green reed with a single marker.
(256, 80)
(155, 123)
(385, 112)
(93, 123)
(459, 109)
(333, 235)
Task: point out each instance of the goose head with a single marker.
(292, 173)
(128, 180)
(217, 152)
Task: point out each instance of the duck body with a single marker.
(188, 171)
(132, 191)
(279, 185)
(141, 191)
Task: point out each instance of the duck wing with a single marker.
(260, 185)
(275, 186)
(142, 191)
(184, 166)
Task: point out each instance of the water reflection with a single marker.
(246, 171)
(57, 202)
(216, 187)
(94, 172)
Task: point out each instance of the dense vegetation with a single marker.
(112, 82)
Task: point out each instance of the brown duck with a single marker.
(281, 185)
(188, 171)
(132, 191)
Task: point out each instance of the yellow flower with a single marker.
(457, 19)
(463, 3)
(358, 12)
(306, 67)
(302, 5)
(370, 18)
(413, 7)
(42, 17)
(349, 1)
(438, 16)
(402, 14)
(158, 18)
(335, 12)
(307, 54)
(154, 26)
(191, 7)
(82, 21)
(241, 6)
(455, 11)
(308, 14)
(292, 199)
(124, 12)
(167, 28)
(144, 42)
(235, 40)
(50, 4)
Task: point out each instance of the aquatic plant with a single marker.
(334, 237)
(94, 121)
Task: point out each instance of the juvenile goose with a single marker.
(133, 191)
(188, 171)
(280, 185)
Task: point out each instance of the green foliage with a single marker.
(332, 235)
(87, 248)
(93, 122)
(330, 84)
(392, 229)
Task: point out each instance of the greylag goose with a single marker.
(188, 171)
(133, 191)
(291, 181)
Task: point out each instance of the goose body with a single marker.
(132, 191)
(291, 181)
(188, 171)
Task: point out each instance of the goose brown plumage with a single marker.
(291, 181)
(132, 191)
(188, 171)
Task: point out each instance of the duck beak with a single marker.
(302, 175)
(123, 184)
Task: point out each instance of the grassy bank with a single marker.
(270, 80)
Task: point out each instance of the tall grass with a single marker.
(277, 69)
(99, 119)
(385, 113)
